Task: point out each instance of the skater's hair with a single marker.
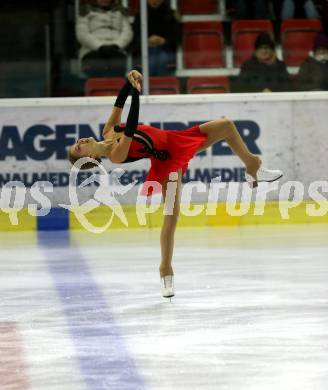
(85, 166)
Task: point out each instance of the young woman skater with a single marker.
(169, 151)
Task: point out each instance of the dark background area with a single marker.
(37, 41)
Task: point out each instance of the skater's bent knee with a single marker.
(227, 125)
(222, 121)
(223, 124)
(226, 121)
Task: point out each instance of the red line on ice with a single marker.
(13, 373)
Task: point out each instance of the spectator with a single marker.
(313, 74)
(252, 9)
(164, 34)
(290, 8)
(263, 72)
(325, 15)
(276, 7)
(104, 33)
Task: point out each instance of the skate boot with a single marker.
(263, 175)
(167, 285)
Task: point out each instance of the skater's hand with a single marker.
(135, 79)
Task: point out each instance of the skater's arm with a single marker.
(120, 152)
(113, 120)
(115, 117)
(134, 79)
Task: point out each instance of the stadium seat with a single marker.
(198, 7)
(244, 34)
(208, 84)
(103, 86)
(134, 6)
(164, 85)
(297, 36)
(203, 45)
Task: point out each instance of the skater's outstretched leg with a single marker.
(224, 129)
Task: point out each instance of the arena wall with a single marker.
(288, 130)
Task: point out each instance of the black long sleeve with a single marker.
(123, 95)
(133, 117)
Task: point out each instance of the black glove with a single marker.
(133, 117)
(119, 129)
(123, 95)
(108, 50)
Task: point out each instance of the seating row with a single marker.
(204, 47)
(185, 7)
(159, 85)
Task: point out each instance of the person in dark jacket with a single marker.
(324, 6)
(263, 72)
(303, 8)
(252, 9)
(164, 34)
(313, 74)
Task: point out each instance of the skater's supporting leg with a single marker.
(168, 230)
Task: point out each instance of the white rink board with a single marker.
(292, 135)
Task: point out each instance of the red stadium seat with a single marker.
(203, 45)
(198, 7)
(208, 84)
(297, 36)
(103, 86)
(164, 85)
(111, 86)
(134, 6)
(244, 34)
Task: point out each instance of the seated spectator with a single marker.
(104, 33)
(292, 8)
(252, 9)
(313, 74)
(325, 15)
(263, 72)
(164, 34)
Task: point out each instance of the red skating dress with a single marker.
(168, 150)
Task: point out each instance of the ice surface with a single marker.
(250, 312)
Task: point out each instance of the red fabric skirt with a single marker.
(182, 146)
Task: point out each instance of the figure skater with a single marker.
(169, 151)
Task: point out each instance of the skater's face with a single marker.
(84, 147)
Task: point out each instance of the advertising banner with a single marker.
(288, 131)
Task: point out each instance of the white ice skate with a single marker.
(167, 284)
(263, 175)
